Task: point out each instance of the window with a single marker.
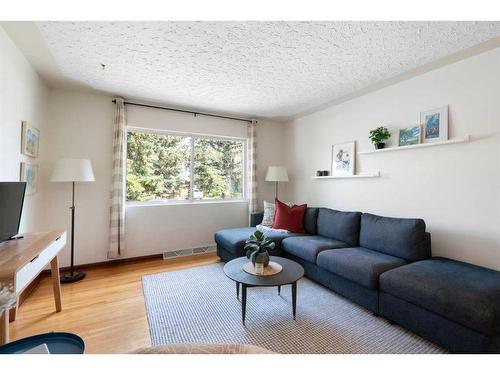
(171, 167)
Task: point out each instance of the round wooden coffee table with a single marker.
(292, 271)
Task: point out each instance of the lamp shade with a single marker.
(73, 170)
(276, 174)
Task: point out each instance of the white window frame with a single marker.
(193, 136)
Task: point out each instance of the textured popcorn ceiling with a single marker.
(264, 69)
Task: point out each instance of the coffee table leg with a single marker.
(294, 299)
(243, 302)
(237, 290)
(279, 290)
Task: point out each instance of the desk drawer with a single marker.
(26, 274)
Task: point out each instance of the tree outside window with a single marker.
(169, 167)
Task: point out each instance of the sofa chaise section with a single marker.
(452, 303)
(231, 242)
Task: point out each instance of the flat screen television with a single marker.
(11, 207)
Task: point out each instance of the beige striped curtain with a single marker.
(252, 166)
(117, 196)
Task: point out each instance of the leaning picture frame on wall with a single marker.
(409, 136)
(29, 174)
(343, 159)
(29, 140)
(434, 124)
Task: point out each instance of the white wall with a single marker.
(81, 126)
(23, 97)
(455, 188)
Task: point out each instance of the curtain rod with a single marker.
(185, 111)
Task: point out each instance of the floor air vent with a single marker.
(192, 251)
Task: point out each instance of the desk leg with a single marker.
(4, 327)
(56, 284)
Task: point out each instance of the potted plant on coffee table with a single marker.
(378, 136)
(256, 248)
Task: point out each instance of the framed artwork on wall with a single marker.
(29, 174)
(409, 136)
(343, 158)
(29, 140)
(435, 124)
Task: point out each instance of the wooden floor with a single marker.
(106, 308)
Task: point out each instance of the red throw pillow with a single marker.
(289, 218)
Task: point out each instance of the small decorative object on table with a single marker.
(378, 137)
(8, 296)
(8, 299)
(256, 248)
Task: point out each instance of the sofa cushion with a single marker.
(233, 240)
(461, 292)
(358, 264)
(289, 218)
(309, 247)
(311, 220)
(342, 226)
(402, 238)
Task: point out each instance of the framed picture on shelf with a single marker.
(343, 159)
(29, 174)
(29, 140)
(409, 136)
(435, 124)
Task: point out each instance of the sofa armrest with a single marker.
(256, 218)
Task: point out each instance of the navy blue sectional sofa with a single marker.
(384, 264)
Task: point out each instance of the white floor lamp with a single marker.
(276, 174)
(73, 170)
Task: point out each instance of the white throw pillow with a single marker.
(269, 230)
(269, 210)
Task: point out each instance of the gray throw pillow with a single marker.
(269, 210)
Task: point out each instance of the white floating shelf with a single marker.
(420, 145)
(364, 175)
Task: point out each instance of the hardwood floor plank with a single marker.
(106, 308)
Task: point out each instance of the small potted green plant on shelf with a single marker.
(256, 248)
(379, 136)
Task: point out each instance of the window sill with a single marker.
(182, 203)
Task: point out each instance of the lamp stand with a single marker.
(276, 190)
(72, 276)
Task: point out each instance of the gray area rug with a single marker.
(199, 305)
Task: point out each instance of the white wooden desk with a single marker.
(21, 261)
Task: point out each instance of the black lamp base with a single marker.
(71, 278)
